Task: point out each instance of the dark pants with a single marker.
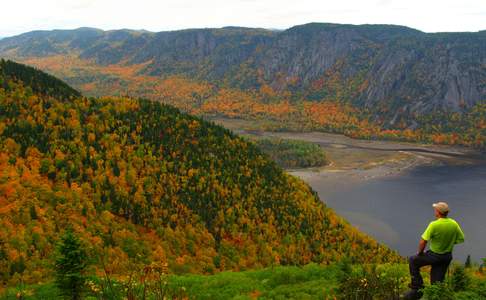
(439, 263)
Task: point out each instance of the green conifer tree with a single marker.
(33, 213)
(468, 263)
(70, 264)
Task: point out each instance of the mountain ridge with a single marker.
(391, 68)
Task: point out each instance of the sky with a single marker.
(20, 16)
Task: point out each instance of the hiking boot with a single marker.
(412, 295)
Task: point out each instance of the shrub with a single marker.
(459, 279)
(371, 282)
(438, 291)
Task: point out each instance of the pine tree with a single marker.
(70, 264)
(33, 213)
(468, 264)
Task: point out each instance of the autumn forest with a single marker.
(141, 182)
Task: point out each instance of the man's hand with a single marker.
(421, 247)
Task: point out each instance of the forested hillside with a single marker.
(369, 81)
(140, 182)
(40, 82)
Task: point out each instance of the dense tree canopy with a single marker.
(140, 181)
(292, 153)
(39, 82)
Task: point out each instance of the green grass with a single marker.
(45, 291)
(309, 282)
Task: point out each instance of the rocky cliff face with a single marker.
(435, 72)
(389, 69)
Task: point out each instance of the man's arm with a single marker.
(460, 235)
(425, 237)
(421, 247)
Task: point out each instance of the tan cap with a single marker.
(442, 207)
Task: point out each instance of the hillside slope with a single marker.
(39, 82)
(390, 69)
(141, 182)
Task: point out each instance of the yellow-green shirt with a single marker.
(443, 234)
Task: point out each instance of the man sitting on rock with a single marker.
(441, 235)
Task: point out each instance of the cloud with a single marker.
(80, 4)
(384, 2)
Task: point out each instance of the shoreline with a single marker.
(358, 160)
(361, 160)
(373, 170)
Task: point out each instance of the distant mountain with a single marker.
(385, 68)
(141, 182)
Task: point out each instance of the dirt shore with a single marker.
(352, 159)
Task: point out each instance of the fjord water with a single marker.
(395, 210)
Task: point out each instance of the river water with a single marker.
(396, 210)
